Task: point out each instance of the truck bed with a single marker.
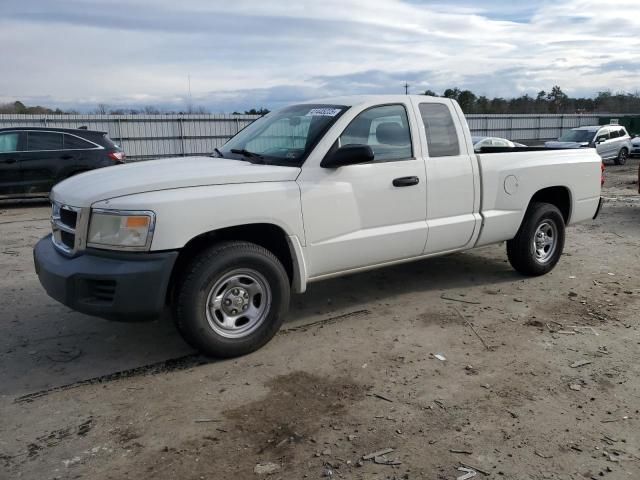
(511, 176)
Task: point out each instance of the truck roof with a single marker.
(353, 100)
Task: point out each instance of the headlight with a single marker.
(121, 230)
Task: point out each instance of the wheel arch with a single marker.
(560, 196)
(285, 247)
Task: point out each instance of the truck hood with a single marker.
(556, 144)
(105, 183)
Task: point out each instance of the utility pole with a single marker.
(406, 88)
(190, 106)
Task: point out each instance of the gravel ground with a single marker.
(451, 362)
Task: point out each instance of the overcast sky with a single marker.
(253, 53)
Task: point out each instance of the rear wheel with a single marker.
(622, 157)
(232, 299)
(538, 245)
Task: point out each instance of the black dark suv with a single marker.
(33, 160)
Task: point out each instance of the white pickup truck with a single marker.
(305, 193)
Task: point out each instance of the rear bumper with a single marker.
(112, 285)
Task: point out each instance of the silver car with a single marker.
(480, 142)
(612, 142)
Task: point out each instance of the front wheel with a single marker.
(538, 245)
(622, 157)
(231, 299)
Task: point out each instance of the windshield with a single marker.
(283, 137)
(579, 136)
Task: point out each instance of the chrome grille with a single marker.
(68, 217)
(65, 223)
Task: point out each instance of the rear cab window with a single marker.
(440, 129)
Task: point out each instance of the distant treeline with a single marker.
(553, 101)
(101, 109)
(19, 107)
(104, 109)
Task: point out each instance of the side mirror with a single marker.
(348, 155)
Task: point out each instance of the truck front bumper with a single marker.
(112, 285)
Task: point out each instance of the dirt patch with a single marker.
(278, 428)
(442, 318)
(295, 406)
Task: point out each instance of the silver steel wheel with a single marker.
(545, 241)
(238, 303)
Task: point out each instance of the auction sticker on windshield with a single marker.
(323, 112)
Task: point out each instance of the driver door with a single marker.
(366, 214)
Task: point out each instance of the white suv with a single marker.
(635, 146)
(612, 142)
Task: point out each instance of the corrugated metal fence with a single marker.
(153, 136)
(148, 136)
(527, 127)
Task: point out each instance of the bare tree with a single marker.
(102, 109)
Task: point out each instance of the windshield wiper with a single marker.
(218, 152)
(254, 157)
(246, 153)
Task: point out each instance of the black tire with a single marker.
(197, 322)
(622, 157)
(522, 251)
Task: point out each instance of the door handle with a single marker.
(405, 181)
(10, 160)
(66, 157)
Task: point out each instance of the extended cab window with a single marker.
(75, 143)
(385, 129)
(44, 141)
(8, 142)
(442, 138)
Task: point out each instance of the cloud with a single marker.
(250, 53)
